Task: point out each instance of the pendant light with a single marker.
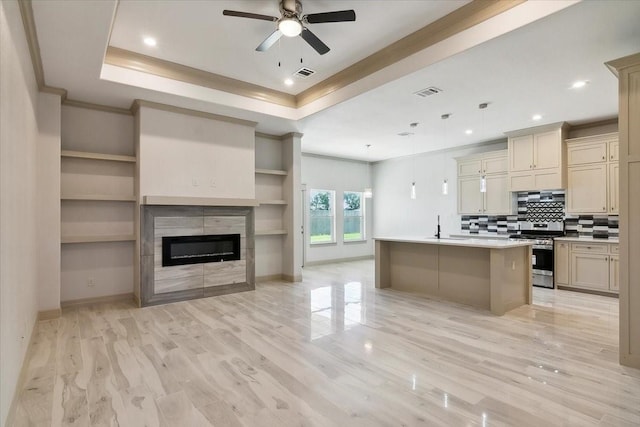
(483, 178)
(368, 191)
(413, 183)
(445, 183)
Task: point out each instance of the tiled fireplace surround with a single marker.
(160, 284)
(603, 226)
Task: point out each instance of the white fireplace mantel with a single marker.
(197, 201)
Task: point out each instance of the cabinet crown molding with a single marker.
(537, 129)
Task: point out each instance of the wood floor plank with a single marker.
(331, 351)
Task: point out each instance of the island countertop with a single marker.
(459, 241)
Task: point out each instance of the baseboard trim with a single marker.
(288, 278)
(22, 377)
(49, 314)
(589, 291)
(269, 278)
(335, 261)
(97, 300)
(137, 301)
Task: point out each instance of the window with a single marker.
(353, 216)
(322, 214)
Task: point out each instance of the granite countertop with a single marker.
(458, 241)
(614, 240)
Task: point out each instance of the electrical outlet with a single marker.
(513, 265)
(90, 283)
(213, 183)
(194, 182)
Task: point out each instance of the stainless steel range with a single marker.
(541, 235)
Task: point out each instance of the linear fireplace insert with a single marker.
(179, 250)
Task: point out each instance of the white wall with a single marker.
(325, 173)
(395, 213)
(19, 101)
(188, 156)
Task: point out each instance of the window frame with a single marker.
(363, 220)
(332, 210)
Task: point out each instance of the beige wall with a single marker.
(189, 156)
(48, 201)
(19, 139)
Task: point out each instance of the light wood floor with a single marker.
(332, 351)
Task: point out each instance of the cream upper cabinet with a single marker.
(588, 189)
(469, 196)
(497, 199)
(593, 174)
(581, 154)
(521, 153)
(547, 151)
(614, 188)
(471, 167)
(561, 265)
(492, 166)
(536, 158)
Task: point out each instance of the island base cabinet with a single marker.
(498, 280)
(614, 273)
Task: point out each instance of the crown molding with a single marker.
(589, 125)
(91, 106)
(455, 22)
(621, 63)
(195, 113)
(171, 70)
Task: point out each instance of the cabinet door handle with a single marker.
(604, 209)
(603, 157)
(606, 258)
(530, 166)
(612, 157)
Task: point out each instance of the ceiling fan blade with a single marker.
(249, 15)
(314, 41)
(269, 41)
(337, 16)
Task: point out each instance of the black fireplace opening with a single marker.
(180, 250)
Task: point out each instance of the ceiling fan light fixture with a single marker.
(290, 27)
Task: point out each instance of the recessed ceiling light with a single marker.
(536, 117)
(288, 82)
(578, 84)
(150, 41)
(468, 131)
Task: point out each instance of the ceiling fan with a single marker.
(292, 23)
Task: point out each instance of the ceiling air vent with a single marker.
(431, 90)
(304, 72)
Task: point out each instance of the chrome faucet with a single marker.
(437, 235)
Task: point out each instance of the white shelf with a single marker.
(271, 172)
(98, 156)
(99, 197)
(272, 202)
(96, 239)
(270, 232)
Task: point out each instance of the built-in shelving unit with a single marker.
(97, 203)
(269, 193)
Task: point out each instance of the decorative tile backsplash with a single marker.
(540, 206)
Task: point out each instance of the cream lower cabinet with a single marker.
(590, 270)
(590, 266)
(614, 273)
(561, 264)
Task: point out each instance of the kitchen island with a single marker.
(490, 274)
